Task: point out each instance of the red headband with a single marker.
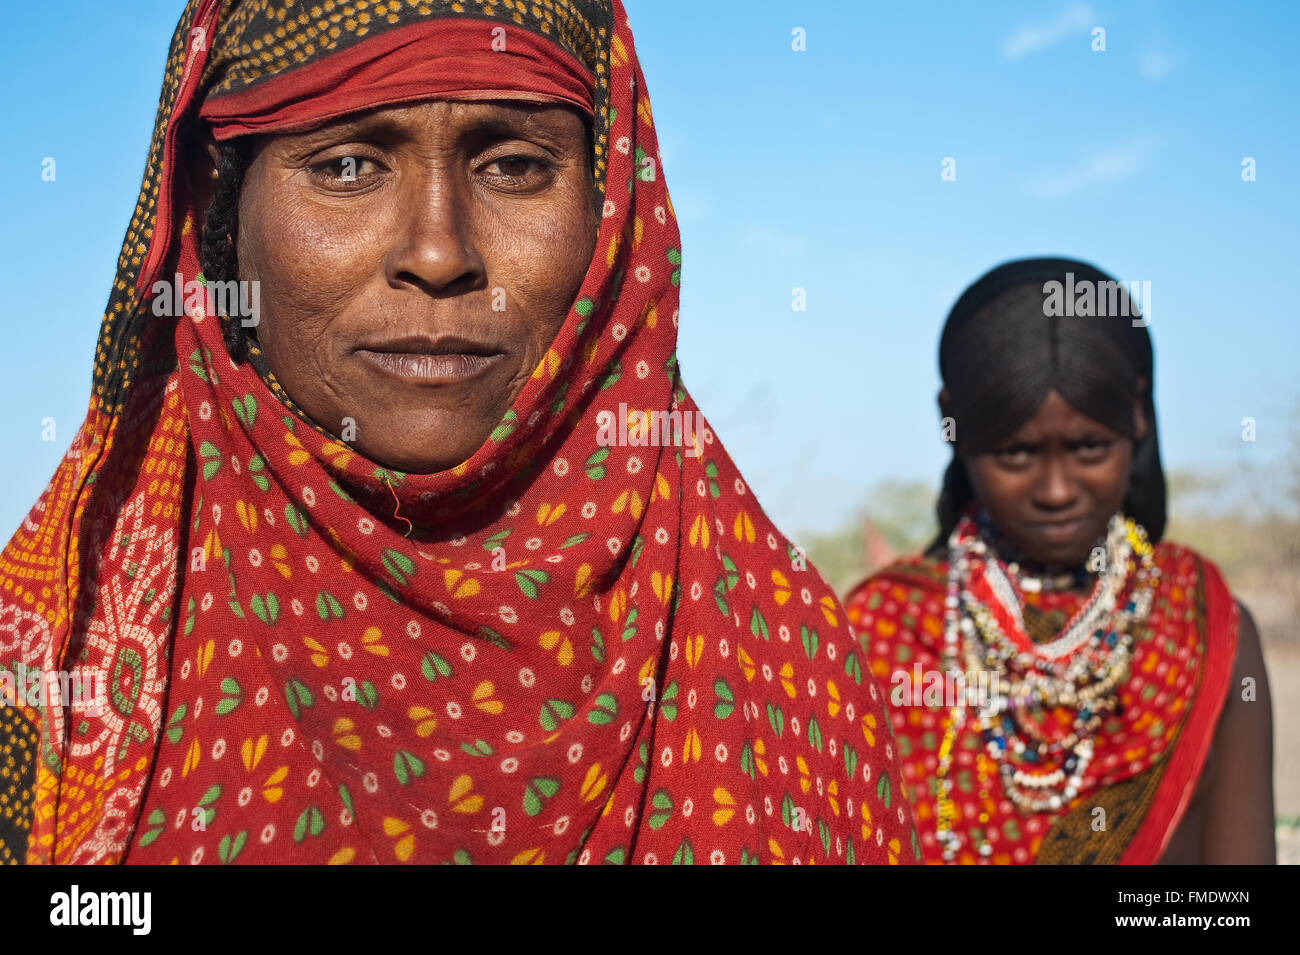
(450, 58)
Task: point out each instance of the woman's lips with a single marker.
(430, 369)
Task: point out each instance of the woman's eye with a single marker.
(514, 167)
(344, 168)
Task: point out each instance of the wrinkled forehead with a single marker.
(506, 115)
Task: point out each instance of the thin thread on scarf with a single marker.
(397, 506)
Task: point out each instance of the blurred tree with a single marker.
(896, 519)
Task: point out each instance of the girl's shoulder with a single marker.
(1189, 576)
(919, 572)
(1172, 553)
(902, 603)
(927, 572)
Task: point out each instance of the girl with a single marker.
(1066, 687)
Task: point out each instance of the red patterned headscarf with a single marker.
(561, 650)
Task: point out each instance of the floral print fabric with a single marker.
(559, 651)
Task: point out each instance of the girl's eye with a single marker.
(1014, 457)
(1093, 450)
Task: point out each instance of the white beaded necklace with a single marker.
(1081, 669)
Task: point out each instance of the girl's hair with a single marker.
(1012, 337)
(216, 248)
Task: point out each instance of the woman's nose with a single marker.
(433, 246)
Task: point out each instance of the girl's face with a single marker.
(416, 262)
(1052, 486)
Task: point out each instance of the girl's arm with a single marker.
(1237, 825)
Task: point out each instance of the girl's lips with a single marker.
(430, 369)
(1059, 530)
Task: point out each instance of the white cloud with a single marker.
(1112, 165)
(1157, 64)
(691, 206)
(666, 147)
(1033, 37)
(768, 238)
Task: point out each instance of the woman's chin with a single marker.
(415, 457)
(420, 441)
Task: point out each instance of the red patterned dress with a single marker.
(1147, 755)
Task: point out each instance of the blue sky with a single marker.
(817, 169)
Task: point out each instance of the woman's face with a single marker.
(1052, 486)
(416, 262)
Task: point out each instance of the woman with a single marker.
(1066, 687)
(368, 578)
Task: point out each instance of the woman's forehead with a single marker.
(509, 112)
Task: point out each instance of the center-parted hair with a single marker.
(1007, 344)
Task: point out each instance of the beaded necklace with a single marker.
(1080, 670)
